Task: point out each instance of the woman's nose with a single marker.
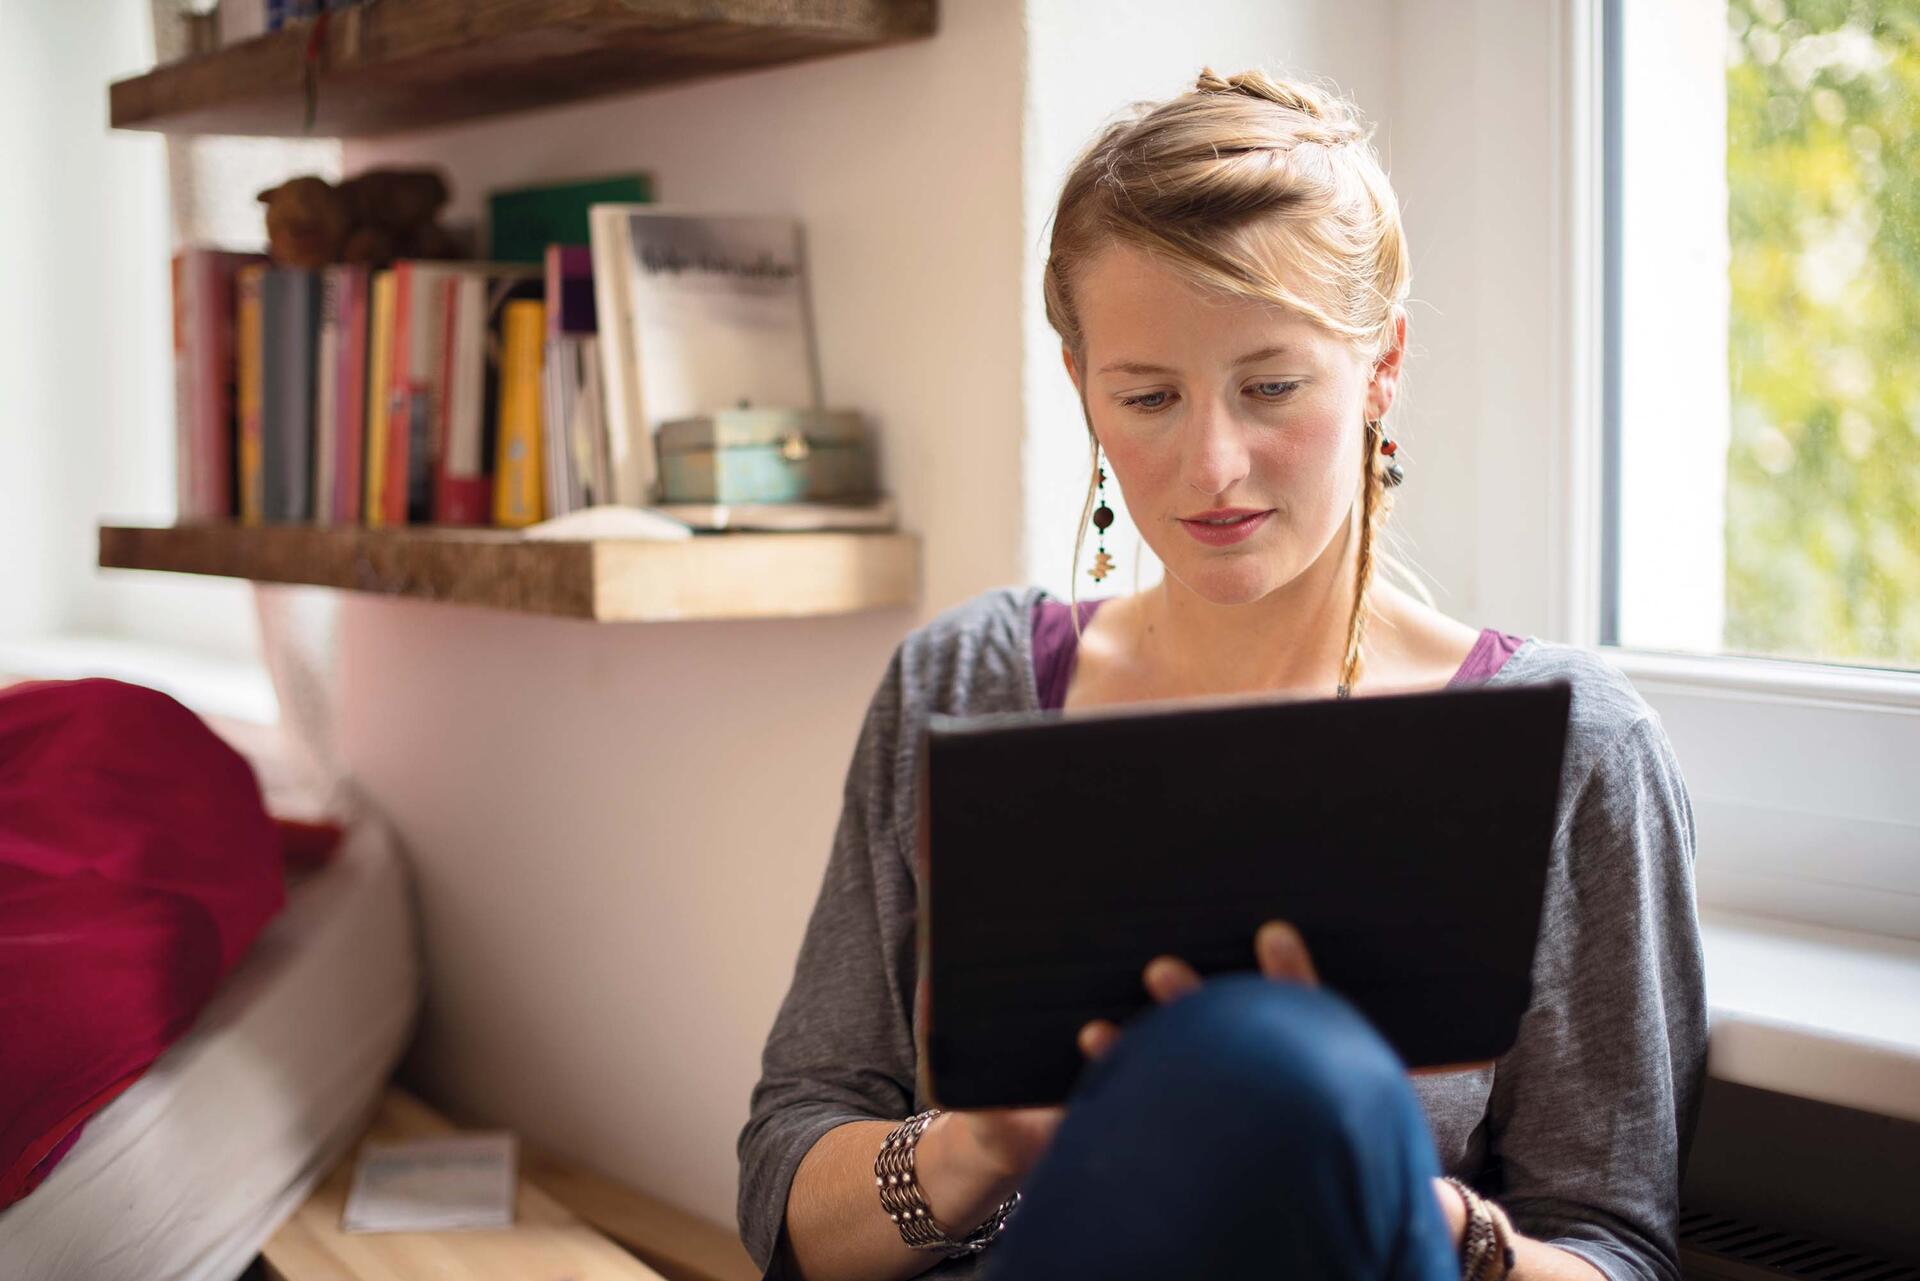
(1217, 454)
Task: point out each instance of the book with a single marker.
(375, 506)
(462, 495)
(713, 313)
(559, 391)
(353, 286)
(206, 421)
(576, 441)
(517, 479)
(467, 424)
(569, 290)
(439, 1184)
(629, 448)
(416, 382)
(523, 221)
(413, 371)
(247, 344)
(576, 437)
(290, 329)
(326, 395)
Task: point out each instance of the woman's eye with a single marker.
(1273, 390)
(1150, 400)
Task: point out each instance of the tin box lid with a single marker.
(765, 428)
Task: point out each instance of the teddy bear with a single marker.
(372, 218)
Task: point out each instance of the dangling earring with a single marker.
(1102, 517)
(1394, 473)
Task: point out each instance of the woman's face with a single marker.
(1233, 427)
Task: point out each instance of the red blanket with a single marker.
(137, 864)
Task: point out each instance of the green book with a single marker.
(523, 221)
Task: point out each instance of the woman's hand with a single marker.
(972, 1159)
(1277, 947)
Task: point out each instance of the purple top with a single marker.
(1055, 649)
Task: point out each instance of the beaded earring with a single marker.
(1394, 473)
(1102, 517)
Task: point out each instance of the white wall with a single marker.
(1479, 143)
(619, 830)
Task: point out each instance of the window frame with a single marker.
(1812, 746)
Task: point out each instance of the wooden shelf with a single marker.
(403, 64)
(710, 576)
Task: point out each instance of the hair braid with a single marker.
(1373, 504)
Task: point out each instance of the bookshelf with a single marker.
(396, 65)
(408, 64)
(707, 577)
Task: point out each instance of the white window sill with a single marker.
(208, 683)
(1814, 1012)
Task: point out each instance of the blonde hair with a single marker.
(1258, 188)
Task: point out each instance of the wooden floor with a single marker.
(548, 1242)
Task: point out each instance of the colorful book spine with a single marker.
(205, 422)
(517, 472)
(380, 401)
(401, 383)
(247, 342)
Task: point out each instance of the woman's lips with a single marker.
(1223, 535)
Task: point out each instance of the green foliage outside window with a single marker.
(1823, 482)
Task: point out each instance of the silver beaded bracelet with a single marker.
(900, 1196)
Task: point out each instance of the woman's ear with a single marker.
(1385, 382)
(1066, 358)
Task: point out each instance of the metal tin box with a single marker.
(767, 456)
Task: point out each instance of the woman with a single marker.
(1227, 274)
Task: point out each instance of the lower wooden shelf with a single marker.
(709, 576)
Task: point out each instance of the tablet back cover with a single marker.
(1406, 836)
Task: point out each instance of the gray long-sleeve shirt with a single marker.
(1579, 1130)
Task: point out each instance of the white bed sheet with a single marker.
(184, 1176)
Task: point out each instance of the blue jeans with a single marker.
(1250, 1129)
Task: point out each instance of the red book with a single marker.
(205, 409)
(408, 340)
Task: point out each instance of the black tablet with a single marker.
(1406, 836)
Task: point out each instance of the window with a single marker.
(1758, 461)
(1763, 426)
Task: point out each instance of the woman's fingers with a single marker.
(1097, 1037)
(1169, 977)
(1282, 954)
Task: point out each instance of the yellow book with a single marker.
(379, 369)
(517, 468)
(247, 343)
(379, 372)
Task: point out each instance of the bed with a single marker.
(185, 1175)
